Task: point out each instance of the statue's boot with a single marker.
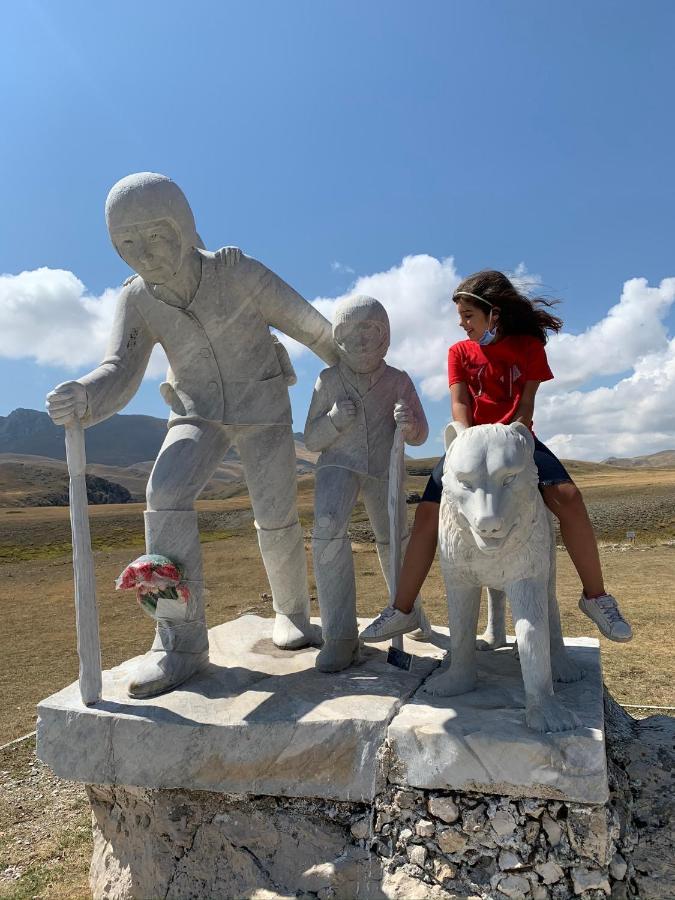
(283, 553)
(424, 631)
(336, 587)
(181, 645)
(337, 655)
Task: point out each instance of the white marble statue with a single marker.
(352, 419)
(227, 385)
(495, 532)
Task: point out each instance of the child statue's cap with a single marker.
(145, 197)
(360, 308)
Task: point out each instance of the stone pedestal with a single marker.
(263, 777)
(479, 741)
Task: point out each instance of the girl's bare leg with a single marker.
(566, 503)
(419, 555)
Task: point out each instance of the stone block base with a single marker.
(406, 844)
(264, 721)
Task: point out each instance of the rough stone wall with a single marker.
(409, 844)
(496, 846)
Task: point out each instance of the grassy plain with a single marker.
(37, 643)
(45, 836)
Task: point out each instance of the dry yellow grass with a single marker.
(38, 641)
(48, 836)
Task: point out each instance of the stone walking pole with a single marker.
(396, 656)
(86, 609)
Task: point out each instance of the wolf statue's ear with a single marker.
(452, 430)
(523, 430)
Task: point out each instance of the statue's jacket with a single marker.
(365, 446)
(222, 357)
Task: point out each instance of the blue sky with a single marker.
(332, 140)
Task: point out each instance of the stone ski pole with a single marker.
(396, 656)
(86, 608)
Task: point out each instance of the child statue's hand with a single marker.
(342, 414)
(403, 416)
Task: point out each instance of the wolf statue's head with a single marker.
(490, 483)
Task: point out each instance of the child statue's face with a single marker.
(153, 249)
(362, 345)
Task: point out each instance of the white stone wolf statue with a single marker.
(495, 532)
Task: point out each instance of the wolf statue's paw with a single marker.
(550, 715)
(490, 641)
(565, 669)
(448, 683)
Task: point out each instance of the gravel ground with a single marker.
(45, 829)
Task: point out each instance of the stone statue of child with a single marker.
(227, 385)
(352, 418)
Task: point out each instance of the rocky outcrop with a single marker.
(99, 490)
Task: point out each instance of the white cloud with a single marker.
(342, 268)
(634, 416)
(632, 329)
(417, 294)
(524, 280)
(48, 316)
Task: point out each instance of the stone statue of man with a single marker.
(212, 313)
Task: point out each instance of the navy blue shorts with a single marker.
(549, 467)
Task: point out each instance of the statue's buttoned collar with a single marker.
(361, 382)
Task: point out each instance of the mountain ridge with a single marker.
(659, 460)
(122, 440)
(120, 455)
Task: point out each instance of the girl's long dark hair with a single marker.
(518, 313)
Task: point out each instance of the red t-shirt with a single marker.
(496, 374)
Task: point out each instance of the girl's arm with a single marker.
(525, 409)
(461, 404)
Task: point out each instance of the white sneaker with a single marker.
(389, 624)
(605, 612)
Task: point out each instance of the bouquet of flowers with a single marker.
(155, 578)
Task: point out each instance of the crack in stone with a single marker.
(111, 742)
(185, 853)
(259, 866)
(384, 761)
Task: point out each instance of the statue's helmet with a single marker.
(147, 197)
(353, 311)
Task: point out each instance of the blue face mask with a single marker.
(488, 335)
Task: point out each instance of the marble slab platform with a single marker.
(260, 720)
(264, 721)
(479, 741)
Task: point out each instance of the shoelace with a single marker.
(388, 612)
(609, 606)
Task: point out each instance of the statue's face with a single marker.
(153, 249)
(491, 480)
(363, 345)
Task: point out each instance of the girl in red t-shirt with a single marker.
(494, 376)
